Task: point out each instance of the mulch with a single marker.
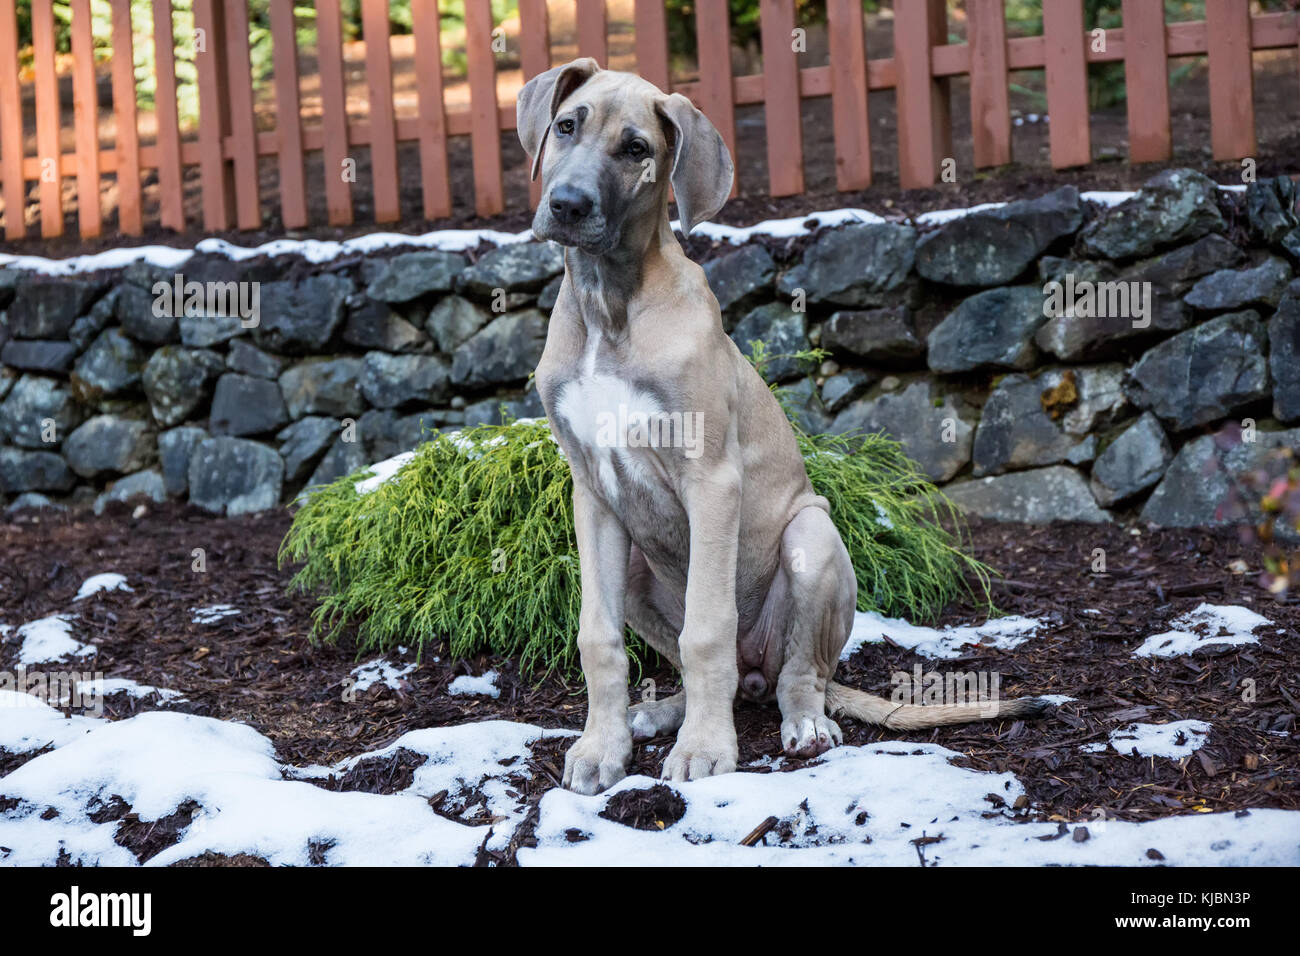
(261, 668)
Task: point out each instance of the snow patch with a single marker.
(1003, 632)
(485, 685)
(212, 613)
(379, 671)
(108, 581)
(1209, 624)
(122, 685)
(382, 472)
(50, 639)
(1178, 739)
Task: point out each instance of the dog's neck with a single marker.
(603, 285)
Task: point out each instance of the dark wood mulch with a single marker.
(259, 667)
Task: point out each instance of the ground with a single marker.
(258, 667)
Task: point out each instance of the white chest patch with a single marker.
(609, 417)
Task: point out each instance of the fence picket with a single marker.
(716, 97)
(171, 197)
(485, 129)
(990, 104)
(383, 120)
(781, 86)
(535, 58)
(1146, 77)
(85, 112)
(47, 119)
(924, 121)
(11, 125)
(340, 168)
(129, 218)
(288, 119)
(243, 127)
(1232, 83)
(593, 30)
(651, 31)
(850, 116)
(214, 117)
(1065, 43)
(435, 183)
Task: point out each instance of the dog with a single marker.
(696, 523)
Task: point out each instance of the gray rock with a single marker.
(845, 387)
(1040, 496)
(1177, 268)
(1204, 484)
(1271, 208)
(506, 350)
(112, 365)
(741, 280)
(453, 321)
(250, 360)
(804, 405)
(235, 476)
(550, 293)
(9, 281)
(204, 331)
(143, 316)
(413, 274)
(1104, 317)
(1132, 463)
(304, 442)
(343, 458)
(1204, 373)
(88, 326)
(46, 308)
(246, 405)
(1290, 243)
(518, 267)
(783, 332)
(30, 404)
(857, 266)
(1284, 355)
(388, 381)
(175, 449)
(323, 388)
(1029, 422)
(35, 501)
(497, 411)
(1056, 269)
(109, 444)
(143, 484)
(1173, 207)
(373, 325)
(881, 336)
(176, 381)
(1235, 289)
(994, 247)
(302, 316)
(993, 329)
(7, 378)
(22, 470)
(930, 427)
(38, 356)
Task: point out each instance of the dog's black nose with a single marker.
(570, 205)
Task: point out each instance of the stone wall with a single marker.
(996, 346)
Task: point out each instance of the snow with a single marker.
(50, 639)
(27, 723)
(1181, 738)
(485, 685)
(122, 685)
(212, 613)
(101, 582)
(1207, 625)
(383, 472)
(379, 671)
(1003, 632)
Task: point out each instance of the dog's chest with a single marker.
(616, 427)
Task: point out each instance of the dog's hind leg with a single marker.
(820, 594)
(656, 615)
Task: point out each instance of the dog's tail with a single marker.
(859, 705)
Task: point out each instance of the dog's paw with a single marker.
(654, 718)
(597, 761)
(809, 735)
(699, 755)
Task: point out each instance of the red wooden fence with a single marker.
(229, 145)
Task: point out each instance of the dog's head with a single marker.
(603, 141)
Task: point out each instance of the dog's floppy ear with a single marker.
(702, 169)
(541, 97)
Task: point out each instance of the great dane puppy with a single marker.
(696, 522)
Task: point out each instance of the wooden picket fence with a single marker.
(228, 144)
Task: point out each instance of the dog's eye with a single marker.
(566, 127)
(636, 149)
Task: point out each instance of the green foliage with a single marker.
(473, 542)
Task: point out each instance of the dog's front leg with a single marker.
(706, 742)
(600, 757)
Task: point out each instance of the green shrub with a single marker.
(473, 542)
